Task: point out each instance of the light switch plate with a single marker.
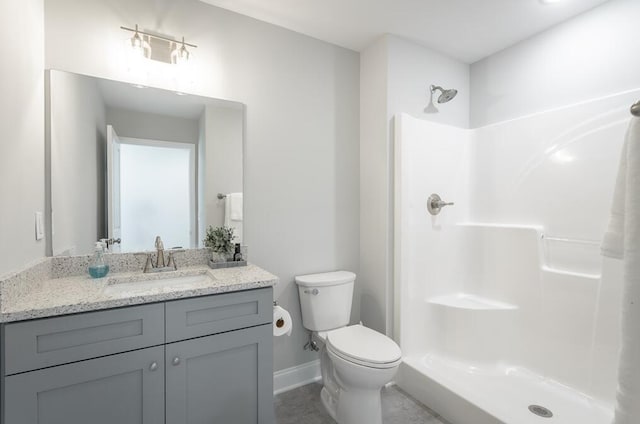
(39, 226)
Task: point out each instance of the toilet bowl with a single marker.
(363, 361)
(356, 361)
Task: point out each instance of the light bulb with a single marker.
(180, 55)
(139, 46)
(136, 41)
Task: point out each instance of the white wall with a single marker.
(224, 131)
(301, 157)
(78, 163)
(395, 75)
(22, 128)
(412, 69)
(592, 55)
(151, 126)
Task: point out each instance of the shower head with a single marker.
(446, 95)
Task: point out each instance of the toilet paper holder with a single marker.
(280, 322)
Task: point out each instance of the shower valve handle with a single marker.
(442, 203)
(435, 204)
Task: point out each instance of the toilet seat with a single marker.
(364, 346)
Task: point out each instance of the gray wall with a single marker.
(301, 158)
(592, 55)
(200, 197)
(223, 154)
(374, 187)
(22, 129)
(78, 163)
(395, 75)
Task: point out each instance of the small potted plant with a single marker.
(220, 241)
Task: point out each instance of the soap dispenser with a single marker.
(98, 268)
(237, 256)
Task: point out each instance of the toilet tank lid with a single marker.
(325, 279)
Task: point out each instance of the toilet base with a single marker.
(353, 407)
(359, 407)
(330, 404)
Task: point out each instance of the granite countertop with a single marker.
(72, 294)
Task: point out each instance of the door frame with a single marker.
(192, 176)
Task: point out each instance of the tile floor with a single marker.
(303, 406)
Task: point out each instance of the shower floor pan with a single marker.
(500, 394)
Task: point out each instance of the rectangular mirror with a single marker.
(131, 163)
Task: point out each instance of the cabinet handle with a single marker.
(153, 366)
(176, 361)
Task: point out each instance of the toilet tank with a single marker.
(325, 299)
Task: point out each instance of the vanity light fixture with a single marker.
(158, 47)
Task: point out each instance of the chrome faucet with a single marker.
(161, 265)
(159, 253)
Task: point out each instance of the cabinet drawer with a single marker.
(203, 316)
(43, 343)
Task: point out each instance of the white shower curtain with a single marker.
(622, 241)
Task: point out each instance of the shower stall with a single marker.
(504, 308)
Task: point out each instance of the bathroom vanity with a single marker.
(192, 352)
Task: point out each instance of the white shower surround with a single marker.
(502, 300)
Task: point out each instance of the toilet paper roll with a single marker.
(281, 322)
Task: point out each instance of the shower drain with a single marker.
(540, 411)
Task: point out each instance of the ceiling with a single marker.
(121, 95)
(468, 30)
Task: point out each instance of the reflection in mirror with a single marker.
(131, 163)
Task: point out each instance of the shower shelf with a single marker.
(469, 301)
(587, 275)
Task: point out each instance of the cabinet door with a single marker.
(127, 388)
(221, 379)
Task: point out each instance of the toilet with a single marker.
(356, 362)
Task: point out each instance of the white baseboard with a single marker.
(290, 378)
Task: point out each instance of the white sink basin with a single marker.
(148, 282)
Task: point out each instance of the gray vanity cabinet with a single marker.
(203, 360)
(125, 388)
(225, 378)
